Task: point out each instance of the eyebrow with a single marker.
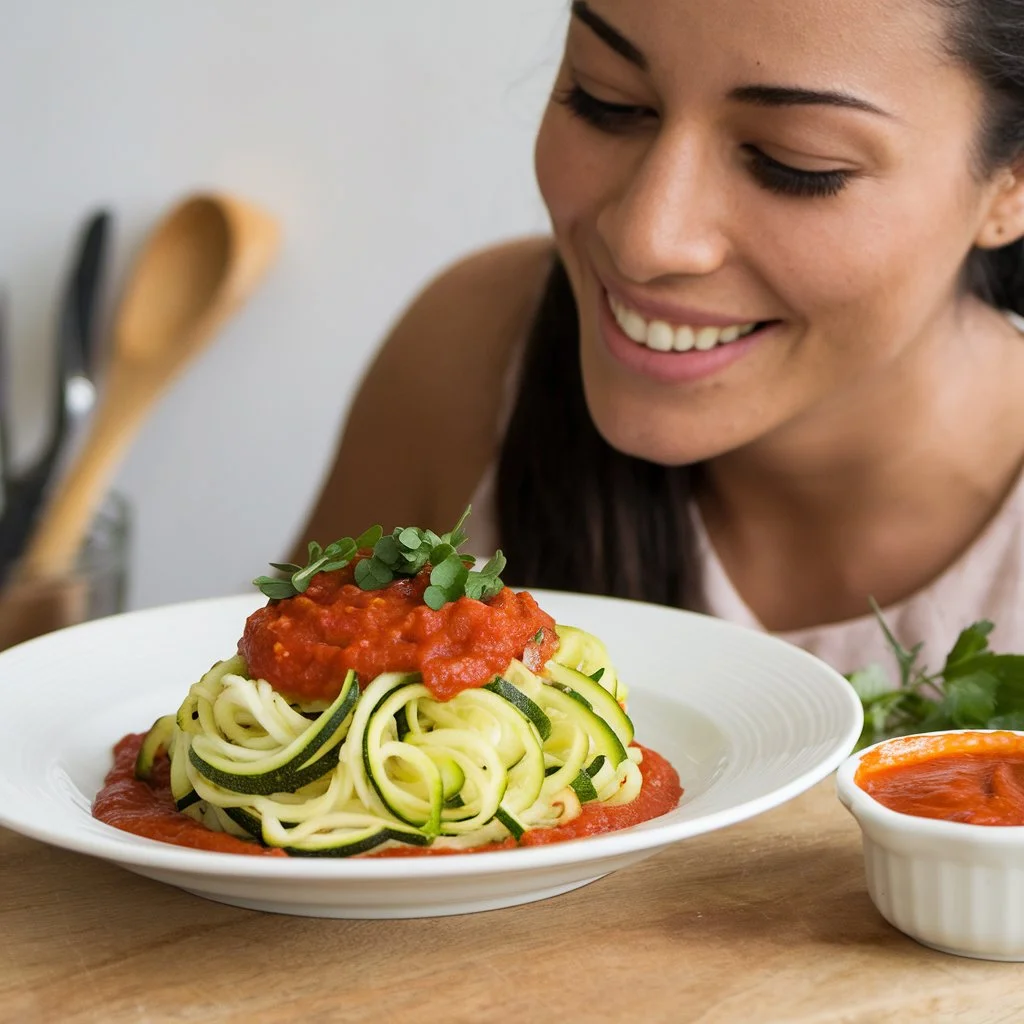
(759, 95)
(608, 35)
(786, 96)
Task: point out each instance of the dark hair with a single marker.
(574, 513)
(987, 37)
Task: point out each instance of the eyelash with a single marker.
(791, 181)
(773, 175)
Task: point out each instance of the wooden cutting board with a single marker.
(767, 921)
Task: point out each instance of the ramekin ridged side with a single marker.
(956, 887)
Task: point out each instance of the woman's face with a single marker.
(763, 209)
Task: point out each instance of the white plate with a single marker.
(748, 721)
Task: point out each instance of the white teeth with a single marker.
(684, 339)
(663, 337)
(707, 338)
(660, 336)
(634, 325)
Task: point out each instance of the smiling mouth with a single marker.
(660, 336)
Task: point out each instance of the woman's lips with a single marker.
(672, 367)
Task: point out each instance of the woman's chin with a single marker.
(660, 445)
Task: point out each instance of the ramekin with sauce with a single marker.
(942, 819)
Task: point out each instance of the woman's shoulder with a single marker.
(497, 288)
(430, 397)
(470, 316)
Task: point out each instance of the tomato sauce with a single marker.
(660, 793)
(305, 645)
(977, 777)
(146, 808)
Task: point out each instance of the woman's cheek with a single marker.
(818, 257)
(576, 167)
(553, 166)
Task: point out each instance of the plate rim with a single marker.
(135, 852)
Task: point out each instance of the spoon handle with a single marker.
(198, 266)
(58, 536)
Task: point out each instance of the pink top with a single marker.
(985, 582)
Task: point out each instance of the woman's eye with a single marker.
(608, 117)
(773, 175)
(791, 181)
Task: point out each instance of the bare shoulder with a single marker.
(470, 317)
(423, 425)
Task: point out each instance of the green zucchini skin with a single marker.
(157, 742)
(357, 842)
(190, 798)
(586, 654)
(603, 738)
(360, 844)
(298, 764)
(287, 779)
(596, 697)
(388, 764)
(246, 820)
(516, 828)
(584, 787)
(504, 689)
(386, 698)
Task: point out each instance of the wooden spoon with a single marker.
(200, 263)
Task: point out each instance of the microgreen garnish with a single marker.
(402, 553)
(975, 688)
(334, 556)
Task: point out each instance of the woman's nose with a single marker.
(668, 219)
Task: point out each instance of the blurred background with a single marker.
(387, 139)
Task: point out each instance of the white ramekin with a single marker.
(955, 887)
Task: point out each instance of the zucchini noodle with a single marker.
(390, 764)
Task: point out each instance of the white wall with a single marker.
(388, 136)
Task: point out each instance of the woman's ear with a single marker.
(1003, 223)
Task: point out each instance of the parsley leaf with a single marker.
(971, 641)
(870, 682)
(975, 688)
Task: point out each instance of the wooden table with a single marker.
(762, 922)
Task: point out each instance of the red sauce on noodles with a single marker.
(305, 645)
(147, 809)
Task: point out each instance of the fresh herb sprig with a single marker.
(402, 553)
(334, 556)
(974, 689)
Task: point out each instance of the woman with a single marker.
(766, 367)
